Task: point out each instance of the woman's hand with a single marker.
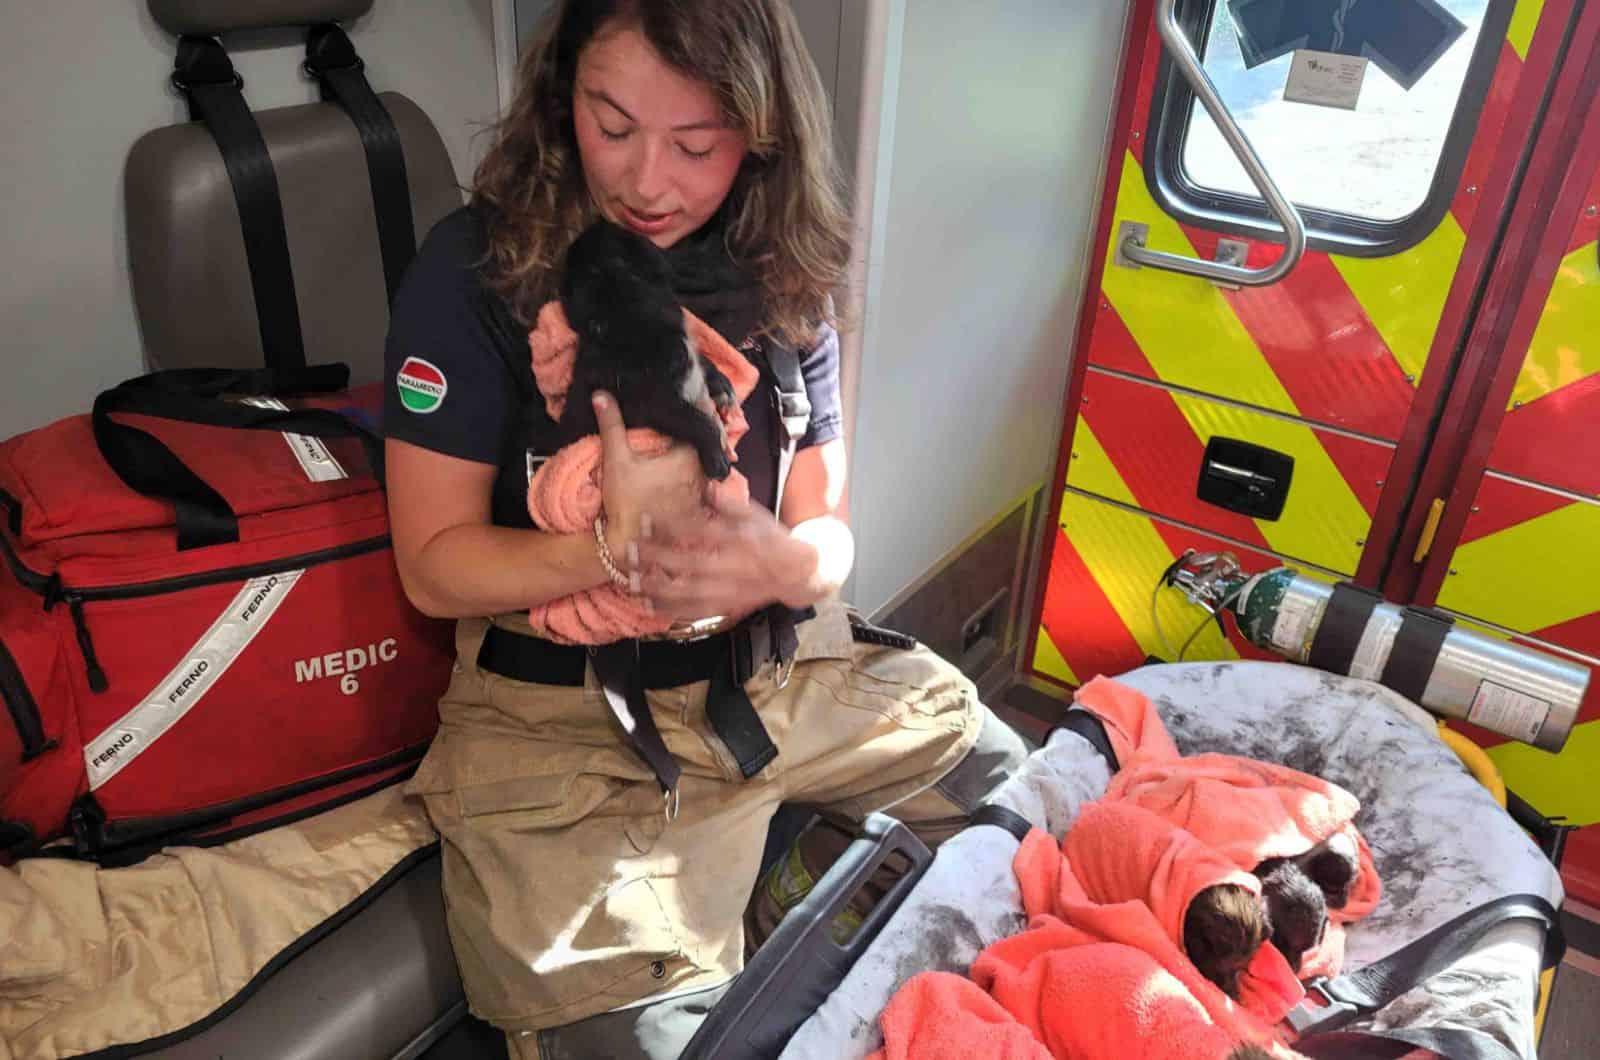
(638, 489)
(732, 564)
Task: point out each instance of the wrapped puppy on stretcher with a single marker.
(1445, 953)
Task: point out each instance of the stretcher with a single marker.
(1441, 840)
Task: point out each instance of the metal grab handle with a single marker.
(1188, 63)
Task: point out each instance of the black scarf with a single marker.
(714, 286)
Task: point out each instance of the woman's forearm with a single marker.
(475, 569)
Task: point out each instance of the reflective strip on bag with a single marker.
(202, 666)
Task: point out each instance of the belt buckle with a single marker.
(1331, 1014)
(785, 671)
(697, 630)
(670, 803)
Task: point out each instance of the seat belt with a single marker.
(207, 79)
(1360, 993)
(332, 60)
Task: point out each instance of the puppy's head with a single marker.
(1333, 865)
(611, 272)
(1297, 907)
(1222, 930)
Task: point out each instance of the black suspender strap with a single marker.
(617, 667)
(793, 407)
(734, 719)
(206, 77)
(332, 60)
(1360, 993)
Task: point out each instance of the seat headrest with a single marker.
(208, 18)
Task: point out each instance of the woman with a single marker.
(590, 916)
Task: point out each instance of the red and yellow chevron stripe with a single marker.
(1325, 366)
(1527, 559)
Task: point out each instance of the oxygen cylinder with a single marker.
(1518, 692)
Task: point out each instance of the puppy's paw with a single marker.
(716, 465)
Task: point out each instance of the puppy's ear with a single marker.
(1249, 1051)
(1333, 865)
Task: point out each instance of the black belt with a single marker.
(628, 668)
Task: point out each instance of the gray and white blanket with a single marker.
(1441, 846)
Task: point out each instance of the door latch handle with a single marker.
(1430, 530)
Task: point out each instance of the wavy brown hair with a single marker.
(787, 222)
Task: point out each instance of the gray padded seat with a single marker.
(383, 984)
(191, 283)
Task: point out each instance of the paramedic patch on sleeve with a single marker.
(422, 386)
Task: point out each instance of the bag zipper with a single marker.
(24, 709)
(95, 835)
(53, 592)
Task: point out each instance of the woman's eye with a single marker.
(609, 135)
(698, 156)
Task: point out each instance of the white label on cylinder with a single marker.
(1291, 633)
(1377, 640)
(1509, 712)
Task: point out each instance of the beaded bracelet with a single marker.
(619, 579)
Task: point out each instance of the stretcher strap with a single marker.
(1001, 817)
(1361, 992)
(1082, 722)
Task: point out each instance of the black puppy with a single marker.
(616, 290)
(1333, 865)
(1296, 906)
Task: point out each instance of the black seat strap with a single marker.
(332, 60)
(1365, 990)
(206, 77)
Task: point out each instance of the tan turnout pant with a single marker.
(568, 891)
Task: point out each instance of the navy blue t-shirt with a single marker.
(459, 381)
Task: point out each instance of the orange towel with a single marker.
(1125, 875)
(1247, 810)
(564, 495)
(1100, 973)
(940, 1016)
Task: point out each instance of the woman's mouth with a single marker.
(647, 224)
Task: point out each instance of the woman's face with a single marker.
(656, 153)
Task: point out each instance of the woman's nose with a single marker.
(650, 176)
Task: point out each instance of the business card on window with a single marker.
(1325, 79)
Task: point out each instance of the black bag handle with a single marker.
(194, 395)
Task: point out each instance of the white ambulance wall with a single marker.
(982, 145)
(83, 79)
